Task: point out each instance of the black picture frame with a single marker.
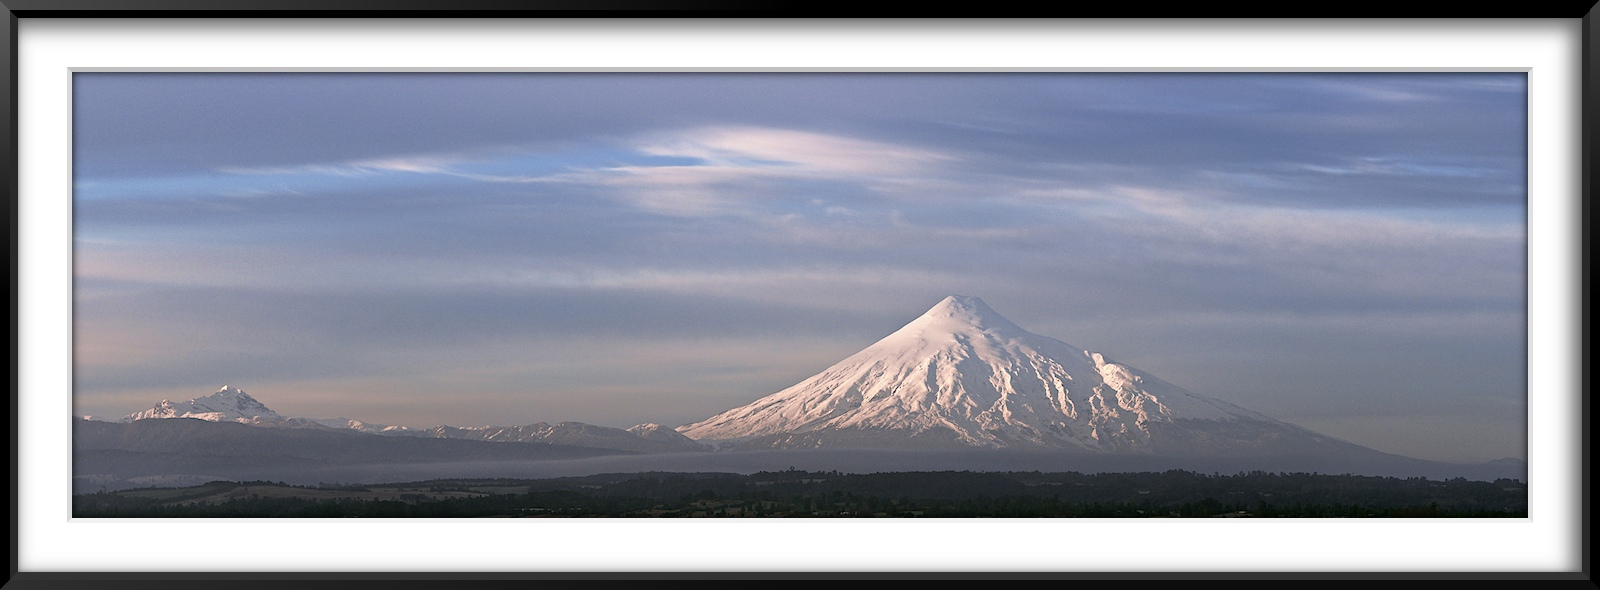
(17, 10)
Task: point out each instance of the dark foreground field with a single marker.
(812, 494)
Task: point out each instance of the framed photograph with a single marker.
(581, 230)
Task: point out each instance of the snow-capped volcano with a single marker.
(962, 375)
(226, 405)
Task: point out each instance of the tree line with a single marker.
(807, 494)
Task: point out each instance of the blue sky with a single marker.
(1344, 251)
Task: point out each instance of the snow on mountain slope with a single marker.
(659, 433)
(575, 434)
(358, 425)
(234, 405)
(226, 405)
(962, 375)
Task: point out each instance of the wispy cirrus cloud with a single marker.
(795, 152)
(1400, 166)
(723, 170)
(694, 171)
(365, 167)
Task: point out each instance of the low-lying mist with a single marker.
(100, 473)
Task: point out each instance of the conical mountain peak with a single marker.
(964, 307)
(962, 374)
(955, 318)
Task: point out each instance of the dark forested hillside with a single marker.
(796, 493)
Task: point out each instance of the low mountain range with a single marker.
(230, 404)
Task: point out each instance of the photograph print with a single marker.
(800, 295)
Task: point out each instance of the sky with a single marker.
(1344, 251)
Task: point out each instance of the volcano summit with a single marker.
(963, 376)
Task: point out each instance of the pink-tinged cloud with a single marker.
(432, 164)
(802, 152)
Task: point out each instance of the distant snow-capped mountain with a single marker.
(226, 405)
(360, 426)
(234, 405)
(962, 375)
(577, 434)
(657, 432)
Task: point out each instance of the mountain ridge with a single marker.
(231, 404)
(228, 404)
